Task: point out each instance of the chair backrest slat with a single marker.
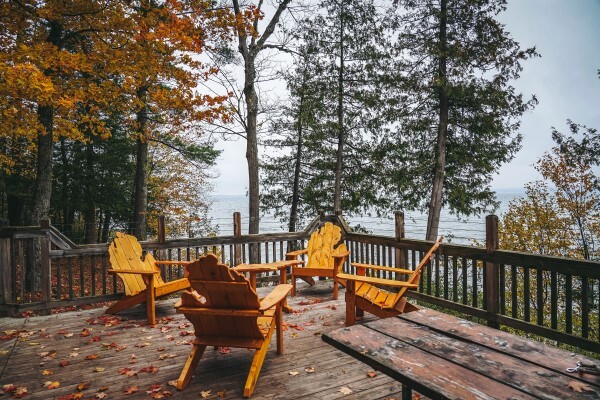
(321, 246)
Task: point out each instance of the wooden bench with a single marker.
(444, 357)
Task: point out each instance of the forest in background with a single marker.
(110, 111)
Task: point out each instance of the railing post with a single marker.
(162, 232)
(492, 271)
(237, 233)
(46, 268)
(5, 266)
(321, 215)
(399, 234)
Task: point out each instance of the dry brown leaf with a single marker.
(91, 356)
(221, 394)
(578, 386)
(310, 370)
(205, 394)
(63, 363)
(293, 373)
(345, 390)
(47, 372)
(99, 369)
(371, 374)
(100, 395)
(82, 386)
(51, 384)
(131, 389)
(172, 383)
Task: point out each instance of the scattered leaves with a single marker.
(205, 394)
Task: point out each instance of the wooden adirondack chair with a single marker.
(325, 257)
(225, 311)
(141, 278)
(363, 293)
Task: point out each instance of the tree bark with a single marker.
(297, 168)
(435, 204)
(337, 196)
(140, 206)
(90, 203)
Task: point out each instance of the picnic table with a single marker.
(445, 357)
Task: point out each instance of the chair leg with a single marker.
(293, 285)
(278, 326)
(257, 362)
(190, 366)
(350, 304)
(335, 288)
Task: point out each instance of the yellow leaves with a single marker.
(52, 384)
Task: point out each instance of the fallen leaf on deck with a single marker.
(91, 356)
(47, 372)
(99, 369)
(221, 394)
(579, 386)
(82, 386)
(73, 396)
(224, 350)
(167, 355)
(345, 390)
(205, 394)
(67, 335)
(371, 374)
(309, 369)
(172, 383)
(131, 390)
(20, 392)
(127, 372)
(294, 373)
(63, 363)
(52, 384)
(100, 395)
(150, 369)
(73, 355)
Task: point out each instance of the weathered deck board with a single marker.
(216, 372)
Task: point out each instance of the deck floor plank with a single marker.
(141, 346)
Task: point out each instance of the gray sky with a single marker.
(567, 35)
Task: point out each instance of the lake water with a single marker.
(461, 231)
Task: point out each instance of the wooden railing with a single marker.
(552, 297)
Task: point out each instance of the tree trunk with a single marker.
(435, 204)
(105, 227)
(140, 205)
(297, 168)
(252, 143)
(337, 194)
(90, 203)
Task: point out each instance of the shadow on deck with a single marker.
(100, 357)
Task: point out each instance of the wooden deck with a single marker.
(100, 348)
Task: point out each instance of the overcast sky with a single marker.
(567, 35)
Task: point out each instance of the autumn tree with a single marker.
(462, 119)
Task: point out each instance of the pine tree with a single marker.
(461, 120)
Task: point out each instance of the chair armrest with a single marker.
(277, 295)
(341, 255)
(173, 262)
(378, 281)
(382, 268)
(296, 253)
(132, 271)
